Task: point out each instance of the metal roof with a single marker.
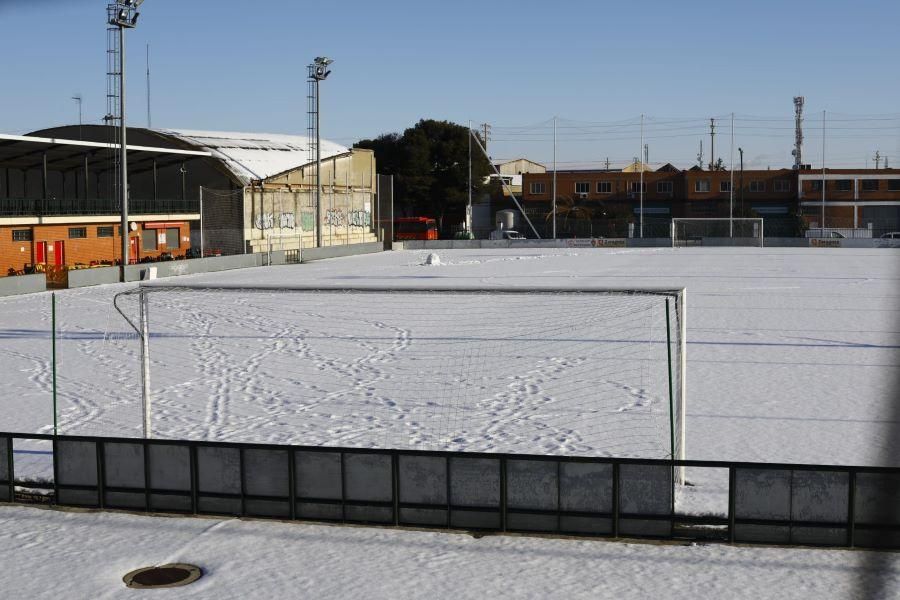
(27, 152)
(254, 156)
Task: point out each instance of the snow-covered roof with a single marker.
(254, 155)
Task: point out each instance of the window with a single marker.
(173, 238)
(582, 187)
(894, 185)
(538, 188)
(105, 231)
(148, 240)
(635, 187)
(724, 186)
(664, 187)
(782, 185)
(701, 185)
(870, 185)
(843, 185)
(21, 235)
(604, 187)
(816, 186)
(77, 233)
(757, 186)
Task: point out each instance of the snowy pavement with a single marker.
(56, 554)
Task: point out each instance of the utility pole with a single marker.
(607, 163)
(469, 211)
(77, 99)
(486, 134)
(149, 120)
(731, 184)
(741, 152)
(823, 173)
(641, 189)
(554, 178)
(712, 139)
(877, 159)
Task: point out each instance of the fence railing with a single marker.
(585, 496)
(29, 207)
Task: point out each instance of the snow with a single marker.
(57, 554)
(792, 357)
(792, 353)
(255, 155)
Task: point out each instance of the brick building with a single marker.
(788, 200)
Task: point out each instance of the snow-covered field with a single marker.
(793, 356)
(792, 353)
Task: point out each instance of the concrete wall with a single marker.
(22, 284)
(632, 243)
(311, 254)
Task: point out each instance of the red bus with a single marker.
(415, 228)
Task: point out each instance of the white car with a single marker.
(893, 235)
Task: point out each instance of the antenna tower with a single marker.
(798, 131)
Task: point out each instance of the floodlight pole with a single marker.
(124, 154)
(318, 173)
(123, 14)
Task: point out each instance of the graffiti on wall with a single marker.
(335, 217)
(285, 220)
(359, 218)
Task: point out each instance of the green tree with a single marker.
(429, 162)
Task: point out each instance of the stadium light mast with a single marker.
(124, 15)
(318, 72)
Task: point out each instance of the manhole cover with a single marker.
(163, 576)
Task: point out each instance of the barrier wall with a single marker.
(23, 284)
(638, 243)
(779, 504)
(311, 254)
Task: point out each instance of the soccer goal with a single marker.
(717, 232)
(527, 371)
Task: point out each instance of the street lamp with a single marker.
(124, 15)
(318, 71)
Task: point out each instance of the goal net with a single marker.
(584, 372)
(717, 232)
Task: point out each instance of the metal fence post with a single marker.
(732, 479)
(851, 509)
(503, 517)
(615, 499)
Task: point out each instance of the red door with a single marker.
(59, 253)
(132, 250)
(40, 253)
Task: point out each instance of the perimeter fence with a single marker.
(582, 496)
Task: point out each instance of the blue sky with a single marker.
(240, 66)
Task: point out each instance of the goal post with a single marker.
(591, 372)
(717, 232)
